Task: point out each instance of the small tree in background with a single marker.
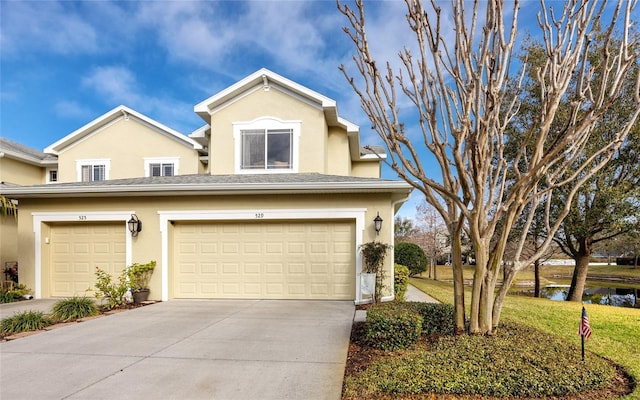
(411, 256)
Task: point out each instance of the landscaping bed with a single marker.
(48, 322)
(510, 365)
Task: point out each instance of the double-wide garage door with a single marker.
(76, 249)
(265, 260)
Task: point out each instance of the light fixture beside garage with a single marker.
(135, 225)
(377, 224)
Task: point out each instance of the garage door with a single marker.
(77, 249)
(266, 260)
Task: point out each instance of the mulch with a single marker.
(360, 356)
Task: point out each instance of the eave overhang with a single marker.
(399, 189)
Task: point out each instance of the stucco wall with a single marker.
(147, 246)
(272, 103)
(126, 143)
(20, 173)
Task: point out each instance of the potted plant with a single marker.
(138, 276)
(373, 254)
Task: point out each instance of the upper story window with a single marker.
(92, 170)
(52, 175)
(266, 148)
(161, 166)
(266, 145)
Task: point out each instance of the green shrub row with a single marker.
(519, 362)
(400, 281)
(398, 325)
(392, 326)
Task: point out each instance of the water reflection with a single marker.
(618, 297)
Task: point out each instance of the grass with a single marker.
(616, 330)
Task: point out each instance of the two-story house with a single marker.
(270, 199)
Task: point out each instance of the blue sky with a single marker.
(64, 63)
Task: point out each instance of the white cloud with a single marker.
(45, 25)
(119, 85)
(116, 83)
(70, 109)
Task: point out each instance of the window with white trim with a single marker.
(52, 175)
(92, 170)
(161, 166)
(266, 145)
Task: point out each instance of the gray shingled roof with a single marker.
(24, 152)
(214, 184)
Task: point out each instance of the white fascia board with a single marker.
(205, 107)
(117, 113)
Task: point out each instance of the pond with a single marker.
(594, 293)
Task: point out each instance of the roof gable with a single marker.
(105, 120)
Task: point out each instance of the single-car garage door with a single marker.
(78, 248)
(264, 260)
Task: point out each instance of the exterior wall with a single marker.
(366, 169)
(338, 157)
(271, 103)
(126, 143)
(148, 244)
(8, 241)
(20, 173)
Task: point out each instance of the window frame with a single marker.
(148, 161)
(51, 171)
(267, 124)
(106, 163)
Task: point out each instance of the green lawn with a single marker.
(616, 330)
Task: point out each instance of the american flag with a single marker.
(585, 328)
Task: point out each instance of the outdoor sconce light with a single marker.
(377, 224)
(135, 225)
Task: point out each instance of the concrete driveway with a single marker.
(187, 349)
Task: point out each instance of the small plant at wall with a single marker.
(139, 276)
(374, 254)
(113, 292)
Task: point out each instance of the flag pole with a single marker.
(582, 336)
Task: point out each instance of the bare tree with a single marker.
(458, 85)
(432, 237)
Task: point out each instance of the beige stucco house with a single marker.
(270, 199)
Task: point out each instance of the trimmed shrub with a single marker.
(519, 362)
(437, 319)
(411, 256)
(74, 308)
(23, 322)
(400, 281)
(391, 326)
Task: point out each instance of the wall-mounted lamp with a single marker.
(135, 225)
(377, 224)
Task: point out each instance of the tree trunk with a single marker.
(580, 272)
(458, 281)
(536, 273)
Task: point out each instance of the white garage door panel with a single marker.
(77, 249)
(293, 260)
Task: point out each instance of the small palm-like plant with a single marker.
(23, 322)
(74, 308)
